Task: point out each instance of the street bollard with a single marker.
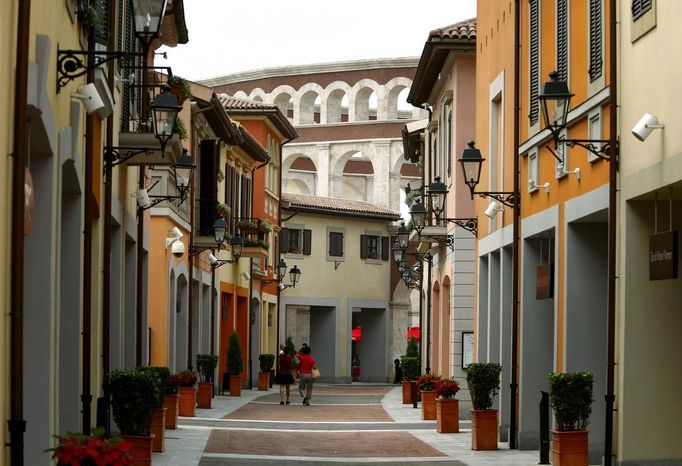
(413, 393)
(544, 428)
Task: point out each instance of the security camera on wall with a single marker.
(645, 126)
(90, 96)
(178, 248)
(493, 209)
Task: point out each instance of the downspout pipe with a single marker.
(613, 200)
(279, 216)
(516, 222)
(424, 356)
(16, 424)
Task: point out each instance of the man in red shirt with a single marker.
(306, 364)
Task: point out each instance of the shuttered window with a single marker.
(534, 52)
(448, 109)
(101, 31)
(208, 186)
(562, 39)
(335, 244)
(639, 8)
(296, 241)
(596, 62)
(374, 247)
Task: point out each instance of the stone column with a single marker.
(381, 159)
(323, 174)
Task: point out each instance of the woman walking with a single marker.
(284, 378)
(306, 364)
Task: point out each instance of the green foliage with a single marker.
(180, 129)
(164, 376)
(176, 80)
(412, 348)
(223, 210)
(206, 364)
(267, 361)
(484, 381)
(427, 382)
(265, 226)
(411, 367)
(446, 389)
(289, 343)
(235, 365)
(570, 395)
(135, 395)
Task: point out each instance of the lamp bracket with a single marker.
(159, 199)
(599, 147)
(72, 64)
(222, 262)
(469, 224)
(116, 155)
(196, 250)
(337, 264)
(505, 197)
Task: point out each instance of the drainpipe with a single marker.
(613, 191)
(516, 212)
(426, 335)
(428, 320)
(16, 424)
(279, 217)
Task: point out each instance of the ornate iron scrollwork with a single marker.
(72, 64)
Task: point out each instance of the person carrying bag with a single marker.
(306, 366)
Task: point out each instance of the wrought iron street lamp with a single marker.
(437, 192)
(165, 110)
(220, 230)
(294, 276)
(418, 214)
(398, 252)
(148, 15)
(472, 161)
(403, 235)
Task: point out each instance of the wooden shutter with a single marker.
(335, 244)
(101, 31)
(596, 63)
(307, 241)
(534, 51)
(384, 248)
(284, 240)
(562, 39)
(339, 244)
(208, 186)
(639, 8)
(364, 247)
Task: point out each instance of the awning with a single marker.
(356, 333)
(413, 332)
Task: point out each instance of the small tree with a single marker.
(135, 395)
(235, 365)
(289, 343)
(570, 394)
(484, 381)
(267, 361)
(206, 364)
(412, 348)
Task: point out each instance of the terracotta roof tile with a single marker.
(234, 103)
(347, 206)
(463, 30)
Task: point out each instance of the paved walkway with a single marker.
(345, 425)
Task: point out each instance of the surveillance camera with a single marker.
(246, 276)
(645, 126)
(90, 96)
(212, 259)
(280, 286)
(176, 232)
(493, 209)
(178, 248)
(142, 198)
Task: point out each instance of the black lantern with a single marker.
(418, 214)
(437, 193)
(471, 161)
(403, 235)
(183, 168)
(237, 244)
(294, 274)
(165, 110)
(148, 15)
(555, 102)
(281, 269)
(219, 230)
(398, 252)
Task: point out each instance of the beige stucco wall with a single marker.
(649, 321)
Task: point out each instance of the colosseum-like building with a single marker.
(349, 121)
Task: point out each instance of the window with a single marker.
(374, 247)
(596, 62)
(562, 39)
(562, 153)
(532, 172)
(296, 240)
(594, 131)
(639, 8)
(643, 18)
(335, 244)
(534, 60)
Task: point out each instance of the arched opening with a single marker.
(397, 106)
(310, 108)
(257, 98)
(181, 323)
(366, 104)
(337, 106)
(301, 177)
(285, 105)
(358, 178)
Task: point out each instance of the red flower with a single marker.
(447, 388)
(75, 447)
(427, 382)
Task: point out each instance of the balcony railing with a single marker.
(138, 96)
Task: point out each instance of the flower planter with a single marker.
(447, 416)
(263, 381)
(254, 251)
(141, 452)
(407, 397)
(569, 448)
(235, 385)
(179, 93)
(170, 402)
(484, 429)
(159, 429)
(428, 404)
(204, 395)
(187, 402)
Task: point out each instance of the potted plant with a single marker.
(170, 402)
(91, 450)
(135, 395)
(206, 364)
(411, 369)
(180, 129)
(235, 366)
(158, 426)
(484, 381)
(264, 226)
(427, 388)
(223, 210)
(570, 395)
(180, 88)
(185, 381)
(447, 406)
(247, 226)
(266, 362)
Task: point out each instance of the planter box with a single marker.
(254, 251)
(141, 452)
(204, 395)
(407, 397)
(170, 402)
(235, 385)
(159, 429)
(428, 404)
(188, 401)
(484, 429)
(263, 381)
(570, 448)
(447, 416)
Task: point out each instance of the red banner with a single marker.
(356, 333)
(413, 332)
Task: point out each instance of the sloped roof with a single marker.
(338, 206)
(463, 30)
(237, 106)
(235, 103)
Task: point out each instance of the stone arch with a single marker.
(304, 180)
(257, 95)
(359, 99)
(283, 97)
(352, 187)
(335, 93)
(309, 100)
(393, 89)
(446, 329)
(299, 186)
(240, 95)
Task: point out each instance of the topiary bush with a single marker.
(267, 361)
(206, 364)
(484, 381)
(166, 387)
(235, 364)
(570, 395)
(412, 348)
(135, 395)
(411, 367)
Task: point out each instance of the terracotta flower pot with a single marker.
(263, 381)
(570, 448)
(170, 402)
(447, 416)
(159, 429)
(141, 452)
(407, 397)
(235, 385)
(428, 404)
(484, 429)
(204, 395)
(188, 401)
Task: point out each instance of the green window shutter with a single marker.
(307, 240)
(534, 52)
(284, 240)
(596, 62)
(364, 246)
(384, 248)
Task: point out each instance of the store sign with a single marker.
(663, 252)
(544, 281)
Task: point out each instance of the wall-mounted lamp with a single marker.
(472, 161)
(294, 276)
(182, 169)
(533, 185)
(418, 214)
(645, 126)
(561, 171)
(90, 97)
